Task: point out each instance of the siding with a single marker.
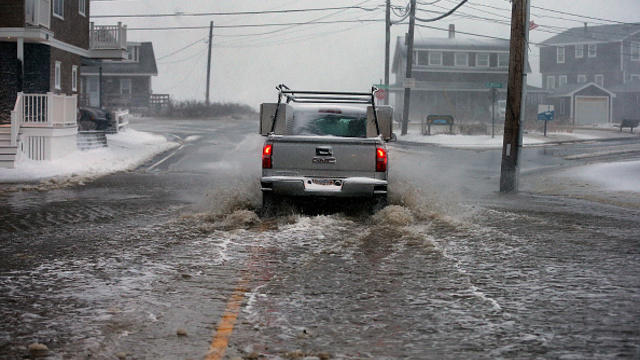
(9, 69)
(37, 71)
(67, 61)
(74, 29)
(12, 13)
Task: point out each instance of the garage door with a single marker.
(592, 110)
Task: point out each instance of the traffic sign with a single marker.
(381, 94)
(546, 112)
(493, 85)
(409, 83)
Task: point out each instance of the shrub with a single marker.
(191, 109)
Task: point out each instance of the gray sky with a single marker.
(333, 57)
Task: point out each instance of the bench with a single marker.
(629, 123)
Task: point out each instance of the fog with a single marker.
(343, 56)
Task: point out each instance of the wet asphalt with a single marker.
(118, 266)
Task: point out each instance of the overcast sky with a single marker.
(348, 56)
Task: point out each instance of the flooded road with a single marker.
(171, 262)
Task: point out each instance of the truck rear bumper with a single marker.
(304, 186)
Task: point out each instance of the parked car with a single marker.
(324, 145)
(90, 118)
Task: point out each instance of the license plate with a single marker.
(323, 185)
(324, 182)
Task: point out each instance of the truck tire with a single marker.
(270, 204)
(379, 202)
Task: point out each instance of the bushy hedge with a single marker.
(192, 109)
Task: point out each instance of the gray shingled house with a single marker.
(591, 73)
(451, 76)
(123, 84)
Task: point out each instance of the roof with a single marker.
(602, 33)
(570, 89)
(146, 63)
(631, 86)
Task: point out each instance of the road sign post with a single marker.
(546, 113)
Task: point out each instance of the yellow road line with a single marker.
(225, 326)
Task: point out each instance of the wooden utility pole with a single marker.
(516, 91)
(209, 60)
(407, 90)
(386, 52)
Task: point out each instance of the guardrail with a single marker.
(108, 36)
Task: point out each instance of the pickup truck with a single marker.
(324, 145)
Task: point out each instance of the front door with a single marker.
(93, 91)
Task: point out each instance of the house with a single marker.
(451, 76)
(42, 46)
(124, 83)
(591, 73)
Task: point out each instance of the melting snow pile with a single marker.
(127, 150)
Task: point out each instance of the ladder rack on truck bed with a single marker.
(325, 97)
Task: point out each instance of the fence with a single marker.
(108, 36)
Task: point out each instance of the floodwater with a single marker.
(450, 270)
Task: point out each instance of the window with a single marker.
(482, 60)
(599, 79)
(58, 8)
(551, 82)
(592, 50)
(423, 57)
(125, 86)
(56, 76)
(132, 53)
(562, 80)
(634, 77)
(635, 51)
(82, 7)
(313, 123)
(560, 55)
(435, 58)
(582, 78)
(579, 51)
(74, 78)
(503, 60)
(462, 59)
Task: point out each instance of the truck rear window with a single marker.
(330, 124)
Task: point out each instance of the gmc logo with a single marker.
(323, 160)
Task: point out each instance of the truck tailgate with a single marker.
(324, 156)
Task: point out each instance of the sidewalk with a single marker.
(127, 150)
(530, 138)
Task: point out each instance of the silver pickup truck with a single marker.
(324, 144)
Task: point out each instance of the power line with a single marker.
(182, 48)
(443, 15)
(579, 15)
(235, 13)
(249, 25)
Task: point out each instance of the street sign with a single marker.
(546, 112)
(493, 85)
(381, 94)
(381, 86)
(409, 83)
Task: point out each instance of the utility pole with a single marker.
(516, 90)
(209, 60)
(407, 89)
(386, 52)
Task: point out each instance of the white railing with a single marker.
(16, 117)
(47, 110)
(108, 36)
(38, 12)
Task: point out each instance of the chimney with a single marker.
(585, 28)
(452, 31)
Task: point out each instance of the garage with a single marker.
(591, 110)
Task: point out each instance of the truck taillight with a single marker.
(266, 156)
(381, 160)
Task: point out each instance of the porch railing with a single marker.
(38, 12)
(16, 116)
(108, 36)
(46, 110)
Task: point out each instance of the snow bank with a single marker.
(616, 176)
(127, 150)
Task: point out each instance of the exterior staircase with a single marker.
(88, 140)
(7, 152)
